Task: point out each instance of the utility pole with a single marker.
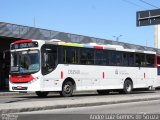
(146, 43)
(34, 21)
(157, 36)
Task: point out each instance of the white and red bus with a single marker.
(44, 66)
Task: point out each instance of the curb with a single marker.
(14, 94)
(33, 93)
(3, 111)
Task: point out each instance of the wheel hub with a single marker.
(128, 86)
(67, 88)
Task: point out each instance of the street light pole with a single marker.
(117, 37)
(34, 21)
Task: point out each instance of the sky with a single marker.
(95, 18)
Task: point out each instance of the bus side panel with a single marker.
(90, 77)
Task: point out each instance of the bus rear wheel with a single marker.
(41, 94)
(103, 92)
(67, 89)
(128, 87)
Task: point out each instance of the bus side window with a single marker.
(125, 59)
(116, 58)
(100, 57)
(70, 55)
(140, 59)
(107, 57)
(150, 60)
(131, 59)
(137, 60)
(119, 58)
(113, 58)
(87, 56)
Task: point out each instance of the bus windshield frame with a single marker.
(25, 62)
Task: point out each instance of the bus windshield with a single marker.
(23, 62)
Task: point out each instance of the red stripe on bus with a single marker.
(61, 74)
(98, 47)
(103, 75)
(144, 75)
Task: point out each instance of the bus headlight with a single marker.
(34, 80)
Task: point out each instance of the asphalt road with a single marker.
(148, 107)
(83, 95)
(78, 113)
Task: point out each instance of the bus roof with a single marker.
(114, 45)
(118, 47)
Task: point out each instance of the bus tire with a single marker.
(41, 94)
(127, 87)
(67, 89)
(103, 92)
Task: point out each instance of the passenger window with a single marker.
(70, 55)
(100, 58)
(119, 58)
(86, 56)
(116, 58)
(113, 58)
(131, 59)
(150, 60)
(140, 59)
(125, 59)
(107, 57)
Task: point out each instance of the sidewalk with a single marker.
(72, 102)
(8, 93)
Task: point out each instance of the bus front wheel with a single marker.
(41, 94)
(67, 89)
(128, 87)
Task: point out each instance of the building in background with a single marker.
(12, 32)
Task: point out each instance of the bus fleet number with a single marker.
(73, 72)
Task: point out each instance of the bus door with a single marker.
(49, 62)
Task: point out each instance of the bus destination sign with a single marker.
(24, 45)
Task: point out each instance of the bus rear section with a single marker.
(158, 72)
